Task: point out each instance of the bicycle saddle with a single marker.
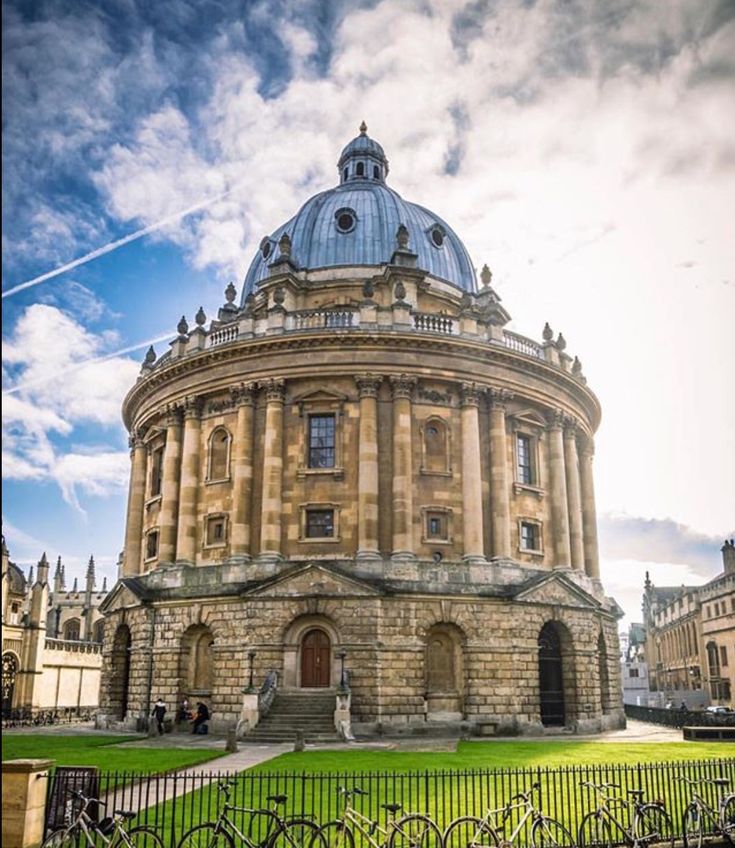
(392, 808)
(277, 799)
(125, 814)
(636, 793)
(721, 781)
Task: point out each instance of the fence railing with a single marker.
(27, 717)
(173, 803)
(680, 718)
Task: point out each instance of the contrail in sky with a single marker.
(77, 365)
(113, 245)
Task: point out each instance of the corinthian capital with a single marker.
(192, 406)
(499, 398)
(554, 419)
(136, 438)
(172, 414)
(368, 384)
(471, 394)
(243, 394)
(275, 390)
(571, 425)
(402, 386)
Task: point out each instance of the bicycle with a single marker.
(412, 830)
(280, 832)
(722, 819)
(648, 826)
(474, 832)
(84, 831)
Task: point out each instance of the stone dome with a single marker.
(355, 224)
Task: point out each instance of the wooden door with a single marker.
(316, 659)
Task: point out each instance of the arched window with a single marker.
(360, 169)
(436, 447)
(713, 661)
(71, 630)
(196, 669)
(344, 175)
(557, 690)
(98, 631)
(443, 669)
(120, 672)
(376, 172)
(219, 454)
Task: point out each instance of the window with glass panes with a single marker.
(319, 523)
(530, 540)
(436, 525)
(525, 461)
(321, 441)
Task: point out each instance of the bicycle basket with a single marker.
(106, 826)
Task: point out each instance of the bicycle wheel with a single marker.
(296, 833)
(140, 837)
(415, 831)
(727, 819)
(549, 833)
(334, 834)
(691, 827)
(652, 827)
(594, 832)
(469, 832)
(206, 836)
(63, 838)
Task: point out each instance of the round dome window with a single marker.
(345, 219)
(437, 237)
(265, 248)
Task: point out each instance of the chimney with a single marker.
(728, 556)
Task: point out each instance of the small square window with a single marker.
(151, 545)
(633, 672)
(437, 526)
(319, 523)
(530, 536)
(321, 441)
(216, 530)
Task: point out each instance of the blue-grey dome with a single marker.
(355, 224)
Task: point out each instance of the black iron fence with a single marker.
(37, 717)
(173, 803)
(680, 718)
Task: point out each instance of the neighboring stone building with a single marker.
(52, 652)
(690, 637)
(359, 464)
(635, 670)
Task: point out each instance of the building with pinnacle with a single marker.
(357, 483)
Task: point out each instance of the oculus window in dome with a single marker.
(355, 224)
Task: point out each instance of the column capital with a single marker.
(585, 445)
(172, 414)
(498, 398)
(402, 386)
(136, 439)
(192, 406)
(554, 419)
(571, 426)
(368, 384)
(471, 394)
(243, 394)
(275, 390)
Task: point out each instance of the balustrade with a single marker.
(427, 322)
(224, 335)
(521, 344)
(321, 319)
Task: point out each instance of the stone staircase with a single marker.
(310, 711)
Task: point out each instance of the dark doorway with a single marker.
(551, 676)
(120, 676)
(10, 670)
(316, 656)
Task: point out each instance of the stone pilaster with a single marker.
(558, 480)
(170, 485)
(136, 505)
(472, 529)
(589, 511)
(499, 489)
(367, 478)
(574, 498)
(403, 388)
(272, 502)
(242, 471)
(186, 539)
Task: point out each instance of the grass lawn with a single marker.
(101, 751)
(516, 754)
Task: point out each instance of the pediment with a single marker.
(120, 597)
(321, 396)
(313, 580)
(558, 590)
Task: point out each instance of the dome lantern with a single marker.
(362, 159)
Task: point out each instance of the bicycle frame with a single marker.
(491, 818)
(359, 821)
(91, 834)
(603, 808)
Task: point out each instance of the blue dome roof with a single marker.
(355, 224)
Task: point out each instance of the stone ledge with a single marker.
(26, 766)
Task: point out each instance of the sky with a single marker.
(584, 150)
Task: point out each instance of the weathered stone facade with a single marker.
(364, 452)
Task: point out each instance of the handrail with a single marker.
(267, 693)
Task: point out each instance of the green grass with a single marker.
(101, 751)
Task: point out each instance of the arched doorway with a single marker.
(10, 672)
(551, 676)
(120, 671)
(316, 659)
(443, 670)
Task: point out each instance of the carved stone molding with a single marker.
(471, 394)
(433, 396)
(243, 394)
(368, 384)
(554, 419)
(571, 425)
(499, 398)
(275, 390)
(192, 406)
(402, 386)
(137, 438)
(172, 414)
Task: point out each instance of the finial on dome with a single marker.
(402, 236)
(150, 356)
(561, 342)
(486, 275)
(230, 292)
(576, 367)
(363, 128)
(548, 333)
(200, 317)
(182, 328)
(284, 246)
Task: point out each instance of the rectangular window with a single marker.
(319, 523)
(156, 471)
(530, 536)
(437, 526)
(151, 545)
(321, 441)
(216, 530)
(633, 672)
(525, 460)
(723, 655)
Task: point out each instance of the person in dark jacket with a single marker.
(159, 711)
(201, 716)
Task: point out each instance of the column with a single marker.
(558, 480)
(574, 497)
(186, 539)
(589, 512)
(499, 494)
(472, 530)
(136, 504)
(170, 485)
(272, 502)
(242, 470)
(402, 386)
(367, 474)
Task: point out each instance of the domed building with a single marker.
(357, 487)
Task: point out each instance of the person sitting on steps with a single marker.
(202, 715)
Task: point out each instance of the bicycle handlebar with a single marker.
(343, 790)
